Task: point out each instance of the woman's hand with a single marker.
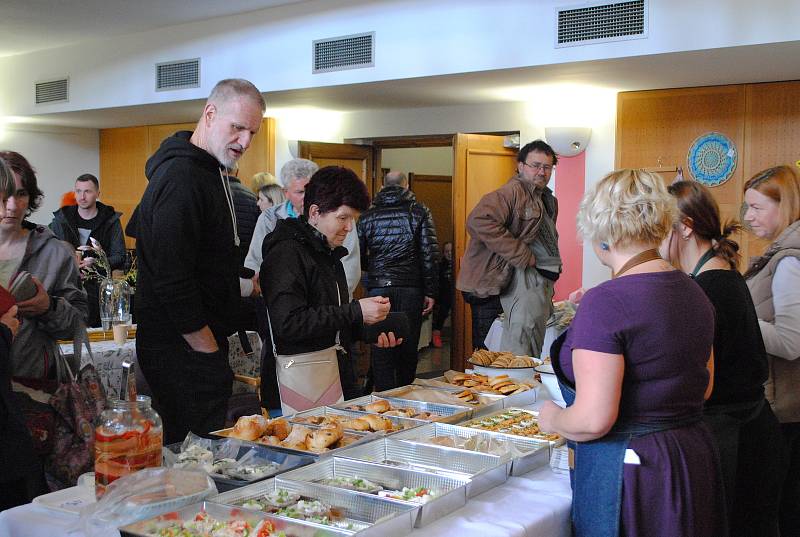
(374, 309)
(387, 341)
(10, 320)
(37, 305)
(548, 413)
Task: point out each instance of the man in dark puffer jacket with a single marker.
(399, 249)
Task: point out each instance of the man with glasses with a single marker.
(512, 259)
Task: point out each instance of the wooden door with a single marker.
(481, 164)
(436, 192)
(355, 157)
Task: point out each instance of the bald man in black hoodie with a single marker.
(187, 294)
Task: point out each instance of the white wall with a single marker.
(419, 160)
(414, 38)
(58, 155)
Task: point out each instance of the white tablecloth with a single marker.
(108, 358)
(535, 505)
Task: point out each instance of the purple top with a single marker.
(663, 324)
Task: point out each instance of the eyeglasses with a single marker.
(546, 168)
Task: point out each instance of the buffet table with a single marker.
(108, 358)
(534, 505)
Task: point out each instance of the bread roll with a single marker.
(378, 423)
(279, 427)
(357, 424)
(297, 436)
(379, 406)
(323, 439)
(249, 427)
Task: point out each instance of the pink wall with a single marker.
(570, 182)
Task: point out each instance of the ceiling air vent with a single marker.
(598, 23)
(178, 75)
(52, 91)
(341, 53)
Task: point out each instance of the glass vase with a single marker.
(115, 302)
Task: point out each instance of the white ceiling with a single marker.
(29, 25)
(758, 63)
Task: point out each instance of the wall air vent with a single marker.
(52, 91)
(598, 23)
(177, 75)
(341, 53)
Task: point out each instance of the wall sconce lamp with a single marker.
(568, 141)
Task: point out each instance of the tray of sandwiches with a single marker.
(484, 470)
(515, 421)
(436, 495)
(510, 391)
(525, 454)
(208, 518)
(359, 422)
(449, 394)
(344, 510)
(407, 408)
(295, 438)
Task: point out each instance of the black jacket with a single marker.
(108, 231)
(298, 281)
(398, 242)
(186, 255)
(245, 205)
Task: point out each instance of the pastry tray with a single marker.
(292, 528)
(493, 403)
(356, 438)
(528, 397)
(370, 516)
(452, 488)
(534, 454)
(534, 416)
(485, 471)
(447, 413)
(287, 461)
(400, 423)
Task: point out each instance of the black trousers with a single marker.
(398, 366)
(484, 312)
(441, 310)
(190, 389)
(790, 499)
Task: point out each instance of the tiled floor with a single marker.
(432, 361)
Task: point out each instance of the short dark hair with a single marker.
(334, 186)
(537, 145)
(27, 176)
(88, 177)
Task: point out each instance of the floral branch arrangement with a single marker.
(99, 268)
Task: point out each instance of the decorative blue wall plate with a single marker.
(712, 159)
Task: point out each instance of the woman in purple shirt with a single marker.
(635, 369)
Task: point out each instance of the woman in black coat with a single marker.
(302, 273)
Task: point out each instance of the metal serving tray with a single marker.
(369, 516)
(494, 403)
(485, 471)
(291, 528)
(535, 454)
(356, 438)
(533, 415)
(452, 488)
(399, 423)
(528, 397)
(448, 413)
(286, 462)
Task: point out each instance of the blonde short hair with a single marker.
(260, 180)
(627, 207)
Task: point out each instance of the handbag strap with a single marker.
(272, 336)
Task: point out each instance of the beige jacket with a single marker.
(783, 385)
(502, 226)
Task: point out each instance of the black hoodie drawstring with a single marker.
(226, 186)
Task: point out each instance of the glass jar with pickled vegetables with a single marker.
(128, 437)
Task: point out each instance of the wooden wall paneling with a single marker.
(772, 136)
(123, 153)
(158, 133)
(436, 192)
(260, 157)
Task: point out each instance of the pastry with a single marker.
(380, 406)
(378, 423)
(322, 439)
(249, 427)
(298, 436)
(357, 424)
(278, 427)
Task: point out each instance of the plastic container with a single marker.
(128, 438)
